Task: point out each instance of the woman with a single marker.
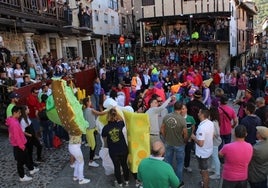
(214, 117)
(32, 140)
(89, 115)
(75, 150)
(114, 139)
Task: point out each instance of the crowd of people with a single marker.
(189, 108)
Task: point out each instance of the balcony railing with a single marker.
(50, 8)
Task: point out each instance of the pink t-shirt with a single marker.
(237, 156)
(225, 123)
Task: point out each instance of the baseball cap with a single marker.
(14, 95)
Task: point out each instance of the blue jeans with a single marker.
(215, 160)
(47, 133)
(97, 102)
(179, 154)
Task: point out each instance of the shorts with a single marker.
(203, 163)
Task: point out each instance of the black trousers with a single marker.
(22, 157)
(187, 157)
(31, 142)
(118, 161)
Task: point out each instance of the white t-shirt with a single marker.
(222, 77)
(24, 124)
(19, 72)
(205, 132)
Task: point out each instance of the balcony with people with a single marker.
(41, 10)
(180, 33)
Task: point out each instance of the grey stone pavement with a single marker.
(57, 173)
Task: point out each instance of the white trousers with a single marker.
(75, 150)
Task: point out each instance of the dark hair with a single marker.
(250, 107)
(33, 89)
(224, 99)
(178, 105)
(15, 109)
(205, 112)
(23, 113)
(44, 98)
(214, 114)
(85, 101)
(113, 94)
(240, 131)
(151, 100)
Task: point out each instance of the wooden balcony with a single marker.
(36, 14)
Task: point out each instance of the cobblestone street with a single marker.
(56, 172)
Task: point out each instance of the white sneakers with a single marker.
(96, 157)
(93, 164)
(26, 178)
(215, 177)
(34, 170)
(84, 181)
(188, 169)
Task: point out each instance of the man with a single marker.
(251, 121)
(153, 113)
(237, 156)
(261, 110)
(18, 141)
(34, 106)
(204, 144)
(174, 132)
(242, 102)
(195, 105)
(14, 97)
(153, 172)
(258, 166)
(228, 120)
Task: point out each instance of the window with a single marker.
(105, 18)
(112, 20)
(96, 15)
(148, 2)
(113, 4)
(123, 22)
(122, 3)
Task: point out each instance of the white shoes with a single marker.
(211, 170)
(96, 157)
(84, 181)
(26, 178)
(188, 169)
(215, 177)
(34, 170)
(93, 164)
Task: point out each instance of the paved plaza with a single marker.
(57, 173)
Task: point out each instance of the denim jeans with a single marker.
(215, 160)
(47, 126)
(179, 154)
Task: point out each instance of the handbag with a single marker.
(56, 142)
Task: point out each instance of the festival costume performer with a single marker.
(90, 116)
(113, 137)
(64, 109)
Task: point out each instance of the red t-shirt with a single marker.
(33, 105)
